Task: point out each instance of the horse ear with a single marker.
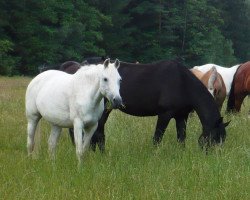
(117, 63)
(227, 123)
(106, 63)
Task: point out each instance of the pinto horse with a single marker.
(226, 73)
(169, 90)
(76, 100)
(240, 87)
(214, 83)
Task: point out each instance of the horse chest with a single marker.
(88, 114)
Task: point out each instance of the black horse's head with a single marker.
(215, 136)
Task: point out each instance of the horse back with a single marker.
(51, 80)
(155, 88)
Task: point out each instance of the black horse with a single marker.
(169, 90)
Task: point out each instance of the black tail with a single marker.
(231, 97)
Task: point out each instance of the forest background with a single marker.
(35, 33)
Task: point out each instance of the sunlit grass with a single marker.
(131, 167)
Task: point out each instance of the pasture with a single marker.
(131, 168)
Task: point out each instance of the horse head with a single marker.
(216, 135)
(110, 82)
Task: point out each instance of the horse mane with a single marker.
(231, 97)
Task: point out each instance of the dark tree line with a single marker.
(36, 32)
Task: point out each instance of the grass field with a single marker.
(131, 168)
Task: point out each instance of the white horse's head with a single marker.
(110, 82)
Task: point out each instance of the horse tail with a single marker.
(231, 97)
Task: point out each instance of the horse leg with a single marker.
(71, 134)
(31, 130)
(53, 138)
(161, 126)
(88, 133)
(78, 127)
(238, 101)
(181, 124)
(99, 136)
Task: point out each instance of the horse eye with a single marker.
(120, 80)
(105, 79)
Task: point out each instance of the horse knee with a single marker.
(157, 137)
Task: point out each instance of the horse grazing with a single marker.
(214, 83)
(76, 100)
(226, 73)
(169, 90)
(240, 87)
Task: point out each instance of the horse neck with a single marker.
(87, 81)
(206, 109)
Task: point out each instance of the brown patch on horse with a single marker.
(214, 83)
(240, 86)
(197, 73)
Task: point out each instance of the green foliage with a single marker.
(52, 31)
(204, 40)
(6, 61)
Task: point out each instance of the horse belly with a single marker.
(55, 115)
(54, 107)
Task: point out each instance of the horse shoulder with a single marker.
(87, 111)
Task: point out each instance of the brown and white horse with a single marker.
(214, 83)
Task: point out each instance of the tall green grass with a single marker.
(131, 167)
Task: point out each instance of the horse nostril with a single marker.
(117, 101)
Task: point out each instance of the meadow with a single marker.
(131, 167)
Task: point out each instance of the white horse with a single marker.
(226, 73)
(66, 100)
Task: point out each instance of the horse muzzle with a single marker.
(116, 102)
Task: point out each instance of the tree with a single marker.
(51, 31)
(6, 61)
